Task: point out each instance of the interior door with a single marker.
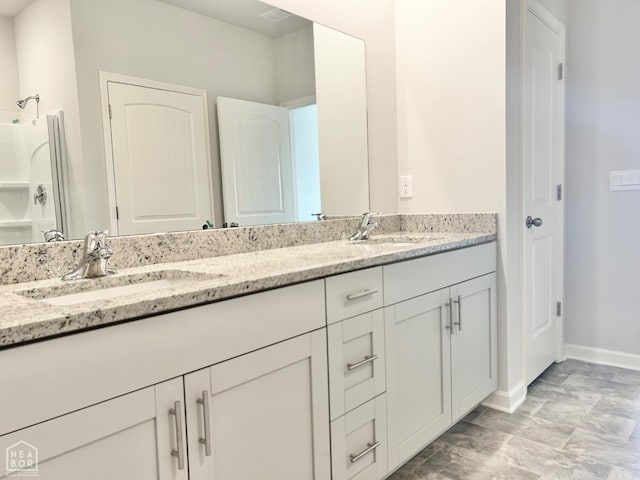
(543, 176)
(255, 153)
(161, 159)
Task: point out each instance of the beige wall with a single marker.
(450, 81)
(373, 22)
(342, 121)
(451, 127)
(294, 65)
(46, 64)
(174, 46)
(100, 46)
(8, 67)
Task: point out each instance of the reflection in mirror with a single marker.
(237, 49)
(30, 204)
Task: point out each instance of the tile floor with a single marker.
(580, 421)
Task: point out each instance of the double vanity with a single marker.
(304, 357)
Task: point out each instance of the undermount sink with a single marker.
(403, 240)
(107, 288)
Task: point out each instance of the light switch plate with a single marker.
(620, 180)
(406, 186)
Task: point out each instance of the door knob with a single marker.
(533, 222)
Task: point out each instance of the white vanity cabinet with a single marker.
(101, 399)
(342, 378)
(474, 353)
(418, 374)
(131, 436)
(440, 335)
(262, 415)
(357, 375)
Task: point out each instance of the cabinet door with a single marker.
(418, 373)
(262, 415)
(474, 343)
(130, 438)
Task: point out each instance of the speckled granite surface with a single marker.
(24, 318)
(40, 261)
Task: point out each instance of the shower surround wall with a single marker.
(24, 164)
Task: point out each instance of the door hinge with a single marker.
(559, 192)
(558, 309)
(561, 71)
(110, 112)
(117, 213)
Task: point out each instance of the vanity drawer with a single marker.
(353, 293)
(356, 361)
(416, 277)
(359, 442)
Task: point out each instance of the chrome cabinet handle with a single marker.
(533, 222)
(354, 457)
(458, 303)
(177, 412)
(206, 441)
(364, 293)
(449, 306)
(367, 359)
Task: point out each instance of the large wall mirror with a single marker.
(175, 114)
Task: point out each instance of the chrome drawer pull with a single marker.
(206, 441)
(368, 359)
(364, 293)
(177, 412)
(458, 302)
(449, 306)
(370, 448)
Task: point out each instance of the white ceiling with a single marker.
(10, 8)
(242, 13)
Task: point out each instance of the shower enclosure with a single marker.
(31, 176)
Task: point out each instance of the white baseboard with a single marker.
(602, 356)
(507, 402)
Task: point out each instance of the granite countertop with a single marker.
(25, 318)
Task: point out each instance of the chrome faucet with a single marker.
(365, 227)
(53, 235)
(94, 258)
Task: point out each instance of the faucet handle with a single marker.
(53, 235)
(366, 217)
(95, 240)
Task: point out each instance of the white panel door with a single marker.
(418, 373)
(128, 438)
(268, 414)
(161, 159)
(474, 344)
(543, 172)
(255, 153)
